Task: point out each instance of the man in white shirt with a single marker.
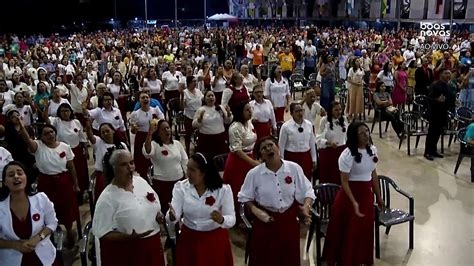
(409, 55)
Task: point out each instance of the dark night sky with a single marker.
(39, 14)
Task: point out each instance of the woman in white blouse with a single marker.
(151, 81)
(210, 120)
(25, 111)
(386, 76)
(242, 139)
(168, 158)
(350, 234)
(120, 91)
(70, 131)
(250, 81)
(204, 76)
(57, 178)
(297, 142)
(207, 211)
(191, 100)
(273, 192)
(219, 83)
(6, 98)
(139, 125)
(79, 94)
(331, 141)
(126, 216)
(27, 221)
(55, 102)
(263, 116)
(355, 101)
(171, 80)
(277, 89)
(312, 109)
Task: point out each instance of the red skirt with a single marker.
(99, 184)
(164, 189)
(82, 171)
(199, 248)
(276, 243)
(144, 251)
(263, 129)
(121, 135)
(218, 96)
(212, 145)
(234, 174)
(122, 104)
(59, 189)
(141, 163)
(329, 165)
(81, 119)
(349, 238)
(280, 114)
(303, 159)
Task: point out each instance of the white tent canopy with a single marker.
(223, 16)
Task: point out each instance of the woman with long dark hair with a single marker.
(328, 80)
(386, 76)
(331, 142)
(207, 209)
(27, 221)
(355, 78)
(350, 234)
(277, 90)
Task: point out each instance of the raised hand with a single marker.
(172, 213)
(217, 217)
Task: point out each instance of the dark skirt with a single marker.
(100, 184)
(349, 238)
(82, 171)
(329, 165)
(218, 96)
(303, 159)
(280, 114)
(262, 129)
(122, 102)
(204, 248)
(81, 119)
(276, 243)
(121, 135)
(59, 189)
(234, 174)
(212, 145)
(141, 163)
(164, 189)
(170, 95)
(144, 251)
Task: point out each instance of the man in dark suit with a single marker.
(438, 114)
(423, 77)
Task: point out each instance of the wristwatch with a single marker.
(42, 236)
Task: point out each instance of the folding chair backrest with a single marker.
(384, 185)
(325, 196)
(174, 105)
(296, 77)
(220, 161)
(464, 113)
(462, 135)
(412, 121)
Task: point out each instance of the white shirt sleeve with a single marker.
(304, 188)
(228, 211)
(321, 136)
(283, 138)
(103, 222)
(226, 95)
(177, 202)
(50, 219)
(346, 160)
(312, 146)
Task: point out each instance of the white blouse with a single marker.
(102, 115)
(169, 161)
(26, 113)
(52, 161)
(358, 171)
(77, 97)
(220, 84)
(153, 85)
(212, 121)
(357, 76)
(242, 138)
(310, 113)
(336, 134)
(115, 89)
(249, 82)
(192, 102)
(276, 192)
(172, 80)
(142, 119)
(100, 148)
(263, 112)
(5, 158)
(53, 107)
(387, 80)
(8, 97)
(70, 132)
(196, 210)
(277, 91)
(227, 94)
(294, 141)
(94, 102)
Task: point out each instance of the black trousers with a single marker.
(394, 119)
(435, 129)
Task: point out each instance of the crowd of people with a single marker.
(119, 91)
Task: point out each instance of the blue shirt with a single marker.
(469, 132)
(153, 103)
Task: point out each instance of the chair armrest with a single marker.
(85, 237)
(410, 198)
(243, 217)
(315, 213)
(58, 237)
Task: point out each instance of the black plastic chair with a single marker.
(321, 212)
(413, 126)
(245, 216)
(378, 118)
(342, 97)
(450, 130)
(421, 105)
(176, 117)
(464, 149)
(463, 116)
(391, 216)
(297, 83)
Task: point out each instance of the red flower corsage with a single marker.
(62, 154)
(150, 196)
(164, 152)
(117, 118)
(76, 130)
(375, 159)
(210, 200)
(36, 217)
(288, 179)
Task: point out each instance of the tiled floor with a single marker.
(444, 209)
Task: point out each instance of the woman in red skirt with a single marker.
(168, 157)
(331, 141)
(236, 92)
(139, 125)
(171, 82)
(350, 234)
(57, 178)
(127, 216)
(210, 120)
(263, 117)
(70, 131)
(207, 209)
(277, 89)
(273, 192)
(242, 139)
(297, 142)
